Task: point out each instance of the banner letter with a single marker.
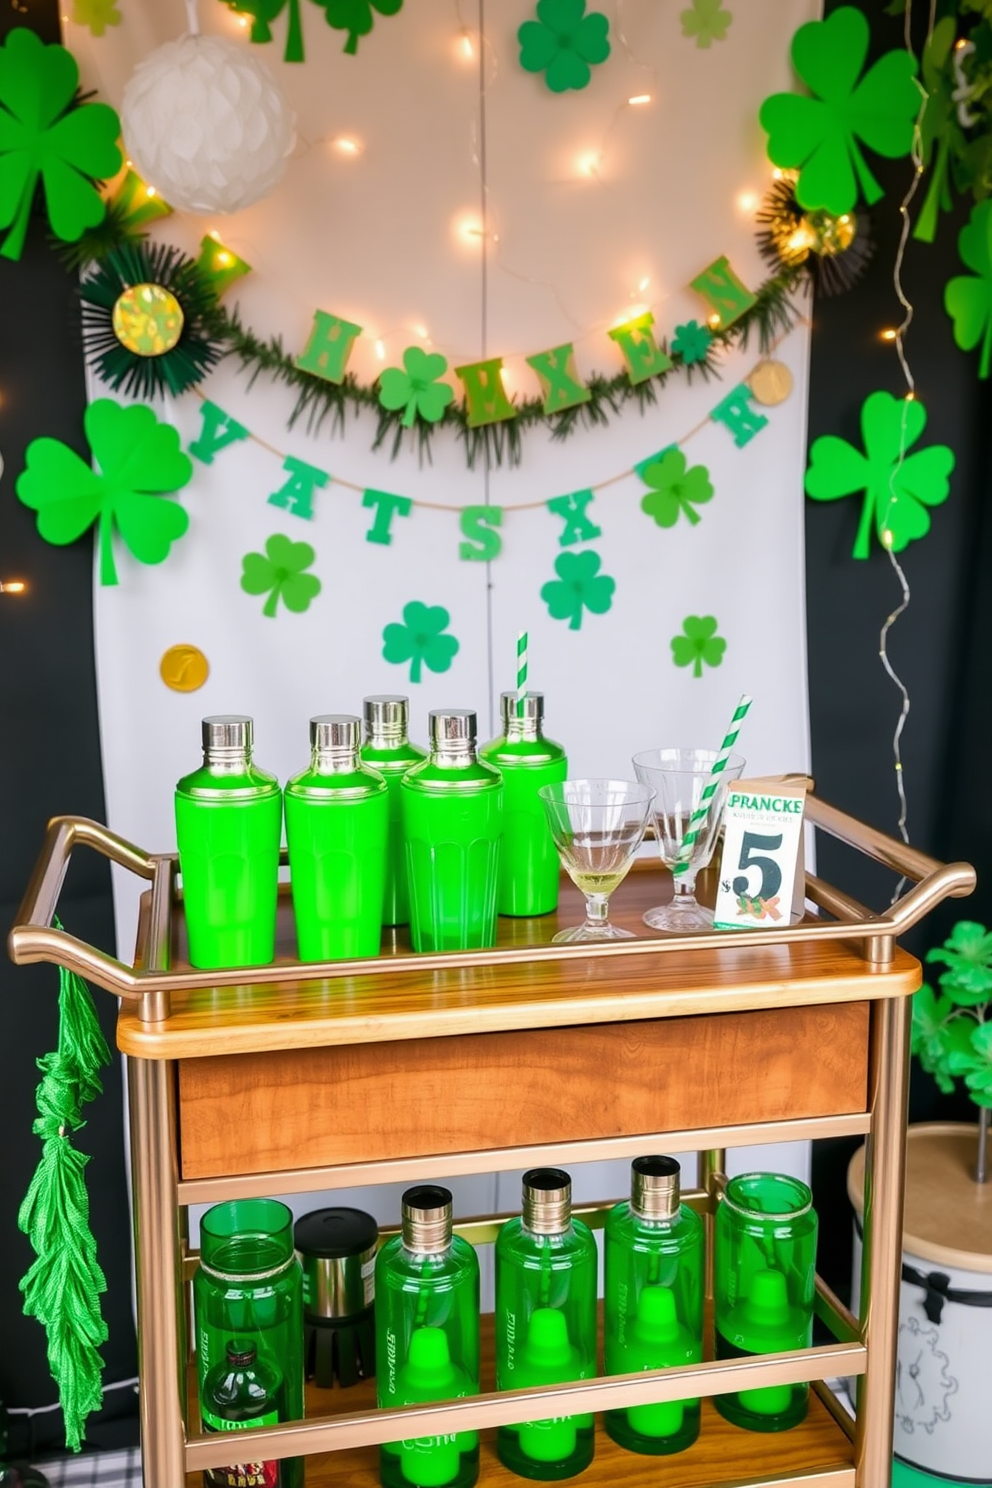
(720, 286)
(218, 431)
(559, 380)
(485, 395)
(641, 352)
(572, 509)
(296, 495)
(386, 507)
(740, 418)
(329, 346)
(477, 523)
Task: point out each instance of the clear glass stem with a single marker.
(684, 889)
(597, 911)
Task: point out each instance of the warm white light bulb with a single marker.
(639, 99)
(747, 201)
(380, 351)
(345, 145)
(588, 164)
(643, 284)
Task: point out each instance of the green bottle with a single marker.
(655, 1248)
(388, 750)
(529, 871)
(241, 1392)
(337, 819)
(545, 1324)
(228, 826)
(427, 1339)
(453, 823)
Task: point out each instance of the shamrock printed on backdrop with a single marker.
(139, 460)
(95, 15)
(355, 17)
(46, 133)
(675, 489)
(707, 21)
(968, 300)
(420, 640)
(278, 572)
(699, 644)
(896, 494)
(579, 586)
(819, 136)
(417, 389)
(692, 342)
(262, 12)
(564, 43)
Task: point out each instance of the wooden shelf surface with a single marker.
(386, 1006)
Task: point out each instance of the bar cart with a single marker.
(298, 1077)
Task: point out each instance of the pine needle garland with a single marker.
(62, 1288)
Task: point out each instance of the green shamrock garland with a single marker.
(278, 572)
(47, 134)
(417, 389)
(579, 586)
(420, 640)
(674, 489)
(967, 299)
(707, 21)
(564, 43)
(139, 461)
(263, 12)
(896, 495)
(819, 136)
(692, 342)
(699, 644)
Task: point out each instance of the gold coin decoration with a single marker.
(770, 383)
(147, 320)
(184, 668)
(830, 234)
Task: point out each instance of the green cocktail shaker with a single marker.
(388, 751)
(337, 818)
(228, 826)
(453, 823)
(529, 871)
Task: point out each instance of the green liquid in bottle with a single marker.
(389, 752)
(529, 870)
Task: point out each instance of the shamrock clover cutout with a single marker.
(279, 572)
(968, 300)
(139, 459)
(699, 644)
(675, 489)
(819, 136)
(929, 1035)
(417, 389)
(707, 21)
(967, 954)
(45, 132)
(564, 43)
(896, 495)
(355, 17)
(579, 586)
(95, 15)
(263, 12)
(692, 342)
(419, 640)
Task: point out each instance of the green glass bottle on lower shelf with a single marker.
(427, 1339)
(228, 827)
(337, 819)
(765, 1279)
(453, 823)
(240, 1393)
(388, 750)
(529, 871)
(655, 1248)
(545, 1324)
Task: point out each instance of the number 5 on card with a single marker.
(763, 833)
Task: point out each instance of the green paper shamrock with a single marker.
(564, 43)
(698, 644)
(929, 1037)
(95, 15)
(263, 12)
(819, 136)
(967, 954)
(45, 132)
(419, 640)
(579, 586)
(279, 572)
(941, 136)
(417, 389)
(675, 489)
(707, 21)
(895, 495)
(968, 300)
(355, 17)
(139, 460)
(692, 342)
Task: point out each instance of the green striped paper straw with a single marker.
(701, 812)
(521, 672)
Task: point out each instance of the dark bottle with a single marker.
(388, 751)
(529, 870)
(241, 1392)
(654, 1302)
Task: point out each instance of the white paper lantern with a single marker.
(206, 124)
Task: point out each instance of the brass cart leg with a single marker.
(881, 1260)
(712, 1174)
(161, 1321)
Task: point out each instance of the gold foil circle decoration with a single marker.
(147, 320)
(770, 383)
(184, 668)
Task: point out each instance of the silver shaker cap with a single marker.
(654, 1187)
(533, 713)
(426, 1218)
(227, 731)
(386, 712)
(452, 728)
(340, 731)
(547, 1201)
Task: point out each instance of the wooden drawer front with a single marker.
(258, 1113)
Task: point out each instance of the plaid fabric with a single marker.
(95, 1470)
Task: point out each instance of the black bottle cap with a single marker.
(241, 1351)
(335, 1233)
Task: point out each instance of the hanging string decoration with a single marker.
(50, 136)
(62, 1288)
(832, 251)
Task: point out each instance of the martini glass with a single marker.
(597, 826)
(678, 778)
